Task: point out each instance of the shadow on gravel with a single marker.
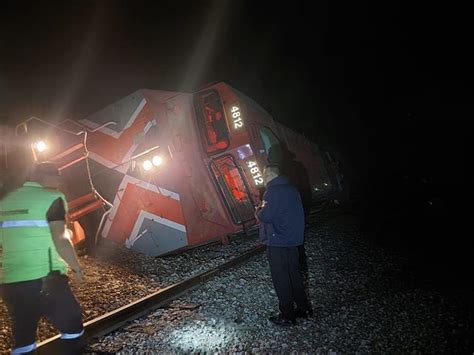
(406, 270)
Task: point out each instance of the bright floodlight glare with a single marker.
(204, 338)
(40, 146)
(147, 165)
(157, 160)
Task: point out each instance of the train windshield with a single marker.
(268, 138)
(233, 188)
(211, 120)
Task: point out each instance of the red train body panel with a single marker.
(212, 146)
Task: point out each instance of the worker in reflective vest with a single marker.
(34, 250)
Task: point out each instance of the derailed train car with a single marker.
(162, 171)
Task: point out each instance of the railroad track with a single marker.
(116, 319)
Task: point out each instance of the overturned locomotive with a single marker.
(162, 171)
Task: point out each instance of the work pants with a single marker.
(52, 297)
(287, 280)
(302, 259)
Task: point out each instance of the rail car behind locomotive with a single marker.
(161, 171)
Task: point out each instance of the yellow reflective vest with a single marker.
(27, 251)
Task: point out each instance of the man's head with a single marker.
(46, 174)
(270, 172)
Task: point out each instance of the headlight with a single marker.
(147, 165)
(40, 146)
(157, 160)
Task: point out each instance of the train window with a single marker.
(233, 188)
(211, 121)
(268, 138)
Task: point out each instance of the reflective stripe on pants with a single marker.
(24, 349)
(72, 335)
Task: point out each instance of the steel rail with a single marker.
(113, 320)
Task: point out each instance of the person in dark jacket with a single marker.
(297, 174)
(282, 225)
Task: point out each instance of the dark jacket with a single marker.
(282, 217)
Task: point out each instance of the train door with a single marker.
(233, 188)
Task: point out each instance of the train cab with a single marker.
(236, 134)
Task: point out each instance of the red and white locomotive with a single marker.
(162, 171)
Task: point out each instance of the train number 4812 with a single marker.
(255, 172)
(237, 117)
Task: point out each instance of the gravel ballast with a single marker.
(118, 276)
(364, 302)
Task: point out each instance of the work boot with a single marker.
(282, 321)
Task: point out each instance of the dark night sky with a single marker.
(387, 86)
